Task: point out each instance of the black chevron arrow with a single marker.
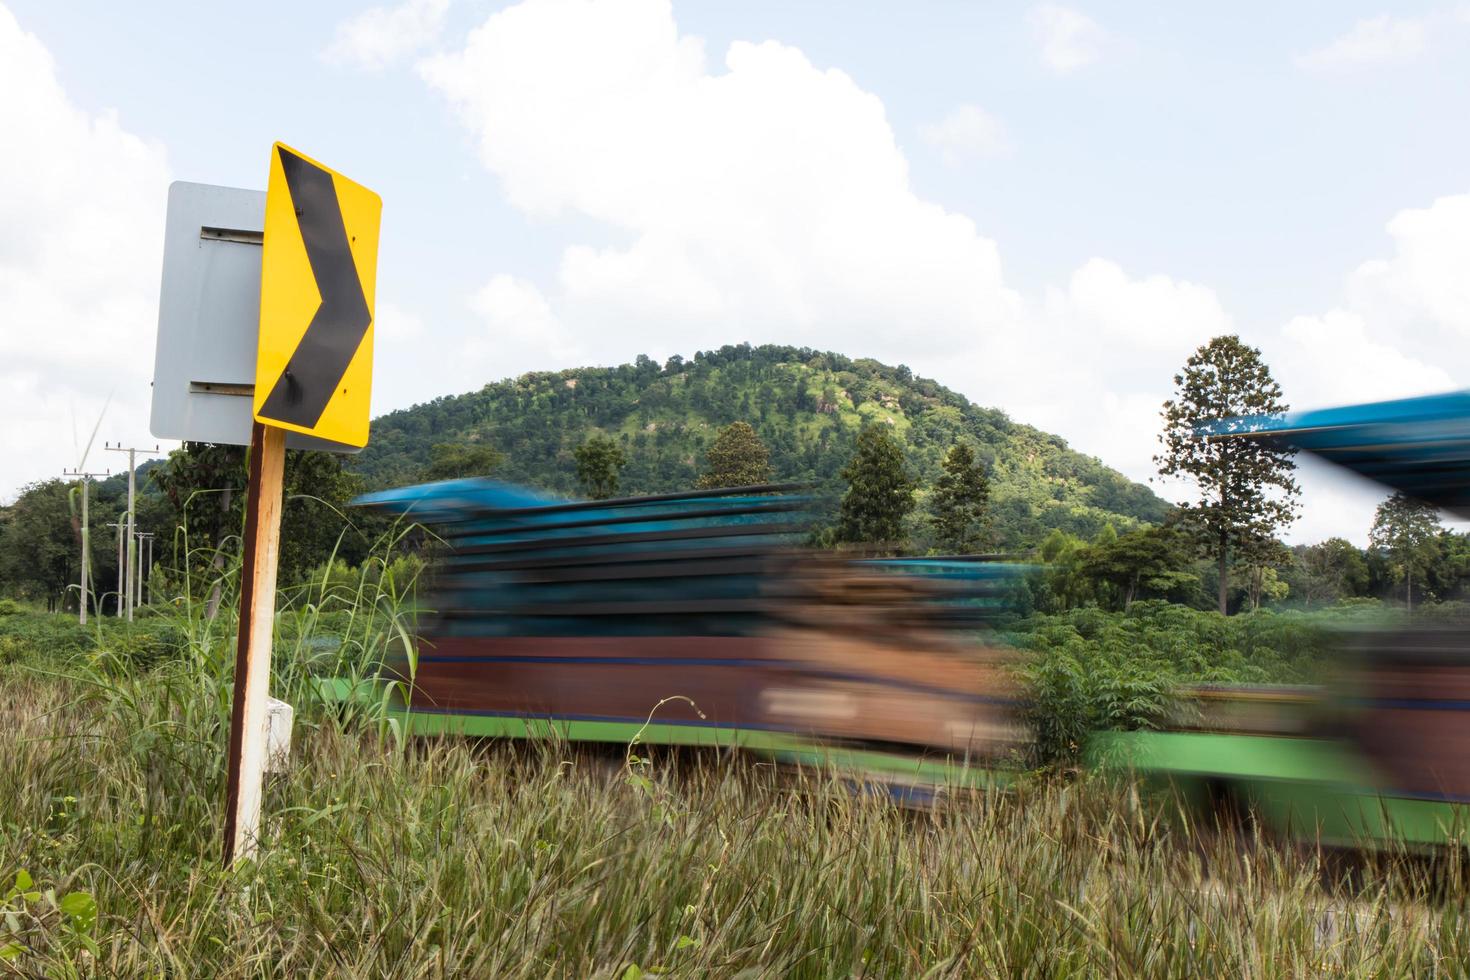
(320, 360)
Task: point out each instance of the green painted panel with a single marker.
(1306, 789)
(1245, 756)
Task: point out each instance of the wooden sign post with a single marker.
(253, 645)
(313, 376)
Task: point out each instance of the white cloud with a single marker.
(1403, 320)
(522, 324)
(1428, 280)
(761, 201)
(81, 234)
(770, 202)
(967, 132)
(1069, 39)
(1334, 357)
(381, 36)
(1152, 313)
(393, 324)
(1380, 40)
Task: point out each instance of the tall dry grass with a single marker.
(451, 858)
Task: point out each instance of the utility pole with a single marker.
(122, 570)
(132, 555)
(85, 479)
(136, 596)
(147, 537)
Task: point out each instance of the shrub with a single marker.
(144, 644)
(1090, 669)
(45, 636)
(14, 650)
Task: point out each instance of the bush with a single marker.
(51, 638)
(14, 650)
(1090, 669)
(144, 644)
(35, 636)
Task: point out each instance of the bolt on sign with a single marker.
(314, 361)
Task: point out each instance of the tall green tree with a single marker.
(1406, 531)
(39, 543)
(457, 460)
(880, 493)
(737, 458)
(958, 505)
(599, 461)
(315, 525)
(1246, 488)
(205, 484)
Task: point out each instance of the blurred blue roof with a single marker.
(1420, 446)
(449, 499)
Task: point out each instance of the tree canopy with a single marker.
(599, 461)
(1406, 531)
(880, 492)
(205, 488)
(807, 407)
(458, 460)
(1151, 561)
(737, 458)
(38, 542)
(959, 503)
(1329, 571)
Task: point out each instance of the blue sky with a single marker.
(1044, 206)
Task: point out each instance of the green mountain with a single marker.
(808, 407)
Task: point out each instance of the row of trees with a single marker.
(200, 489)
(1411, 558)
(193, 504)
(1224, 541)
(41, 534)
(881, 495)
(876, 507)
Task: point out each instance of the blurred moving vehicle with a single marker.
(697, 618)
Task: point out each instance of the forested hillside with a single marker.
(807, 406)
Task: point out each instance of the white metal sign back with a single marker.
(209, 318)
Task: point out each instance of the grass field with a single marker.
(446, 858)
(396, 857)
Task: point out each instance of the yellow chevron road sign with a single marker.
(314, 361)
